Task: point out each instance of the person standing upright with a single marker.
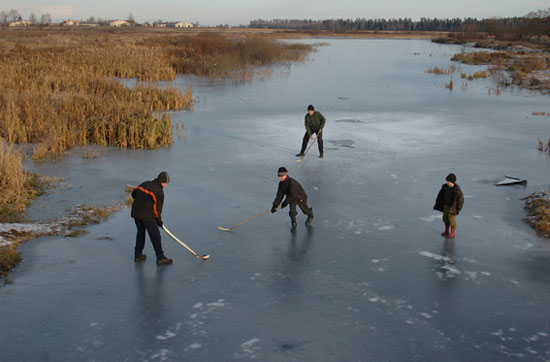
(314, 122)
(449, 201)
(295, 196)
(147, 213)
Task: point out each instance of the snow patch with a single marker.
(426, 315)
(386, 227)
(434, 256)
(162, 355)
(193, 346)
(167, 335)
(250, 348)
(431, 218)
(198, 305)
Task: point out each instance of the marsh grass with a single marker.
(17, 187)
(59, 89)
(9, 258)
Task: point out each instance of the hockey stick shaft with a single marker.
(247, 220)
(183, 244)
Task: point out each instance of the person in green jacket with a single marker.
(314, 122)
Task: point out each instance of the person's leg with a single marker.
(452, 222)
(292, 213)
(154, 235)
(307, 211)
(320, 143)
(446, 220)
(304, 144)
(140, 239)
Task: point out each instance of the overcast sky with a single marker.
(237, 12)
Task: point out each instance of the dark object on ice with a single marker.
(509, 180)
(343, 98)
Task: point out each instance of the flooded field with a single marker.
(371, 280)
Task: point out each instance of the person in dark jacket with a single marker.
(295, 196)
(314, 122)
(449, 201)
(147, 213)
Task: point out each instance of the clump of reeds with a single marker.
(437, 70)
(543, 147)
(449, 85)
(9, 258)
(17, 186)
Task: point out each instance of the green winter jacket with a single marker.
(315, 122)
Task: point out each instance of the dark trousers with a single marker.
(154, 234)
(303, 206)
(319, 141)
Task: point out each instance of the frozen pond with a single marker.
(372, 280)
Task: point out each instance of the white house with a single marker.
(71, 23)
(20, 23)
(119, 23)
(183, 24)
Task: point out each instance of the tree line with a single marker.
(515, 28)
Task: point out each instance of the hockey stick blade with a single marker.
(224, 229)
(204, 257)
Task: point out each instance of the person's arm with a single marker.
(278, 198)
(160, 204)
(323, 121)
(459, 201)
(308, 129)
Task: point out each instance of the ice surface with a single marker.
(371, 280)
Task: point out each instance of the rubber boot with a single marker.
(446, 232)
(139, 258)
(321, 155)
(293, 228)
(452, 233)
(301, 154)
(163, 260)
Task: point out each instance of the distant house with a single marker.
(71, 23)
(182, 24)
(20, 23)
(119, 23)
(161, 25)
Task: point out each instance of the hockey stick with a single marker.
(312, 143)
(247, 220)
(204, 257)
(129, 188)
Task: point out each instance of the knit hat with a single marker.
(310, 107)
(451, 178)
(163, 177)
(282, 172)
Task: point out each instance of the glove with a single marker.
(273, 210)
(159, 222)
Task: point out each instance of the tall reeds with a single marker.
(17, 187)
(59, 89)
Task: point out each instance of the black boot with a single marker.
(163, 260)
(301, 154)
(139, 258)
(293, 228)
(321, 155)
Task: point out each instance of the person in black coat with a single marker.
(147, 213)
(449, 201)
(295, 196)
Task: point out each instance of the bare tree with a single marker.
(14, 15)
(33, 19)
(45, 19)
(3, 18)
(131, 18)
(91, 20)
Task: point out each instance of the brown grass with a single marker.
(17, 187)
(58, 88)
(9, 258)
(437, 70)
